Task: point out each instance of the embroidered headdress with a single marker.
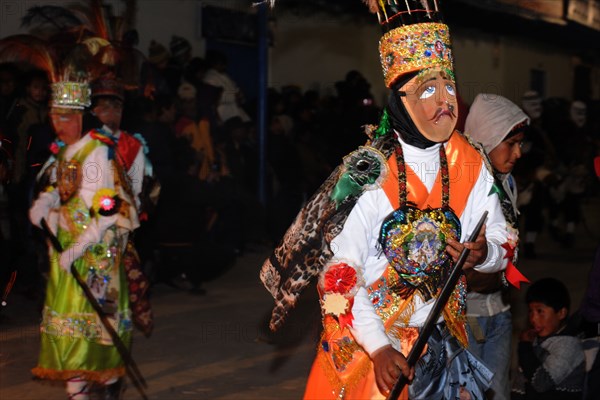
(414, 37)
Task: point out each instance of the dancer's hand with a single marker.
(478, 248)
(388, 364)
(41, 209)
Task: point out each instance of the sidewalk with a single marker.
(217, 346)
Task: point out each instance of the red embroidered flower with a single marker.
(107, 203)
(340, 278)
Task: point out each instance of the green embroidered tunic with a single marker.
(74, 341)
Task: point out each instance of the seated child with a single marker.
(551, 363)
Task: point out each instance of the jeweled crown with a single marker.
(414, 38)
(76, 95)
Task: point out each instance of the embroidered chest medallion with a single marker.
(414, 240)
(68, 177)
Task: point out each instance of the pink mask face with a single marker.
(67, 126)
(431, 102)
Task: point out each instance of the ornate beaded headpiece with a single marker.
(414, 38)
(75, 95)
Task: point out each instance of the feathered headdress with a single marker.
(67, 69)
(91, 24)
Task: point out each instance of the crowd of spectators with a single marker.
(203, 144)
(202, 134)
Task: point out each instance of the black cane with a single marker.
(434, 314)
(130, 366)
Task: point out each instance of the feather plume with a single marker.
(29, 49)
(98, 19)
(76, 64)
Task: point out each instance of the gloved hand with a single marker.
(41, 207)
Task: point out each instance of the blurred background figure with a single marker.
(499, 126)
(232, 99)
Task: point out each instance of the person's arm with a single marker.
(487, 254)
(136, 175)
(43, 205)
(356, 245)
(353, 246)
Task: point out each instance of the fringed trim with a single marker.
(360, 369)
(456, 327)
(405, 311)
(96, 376)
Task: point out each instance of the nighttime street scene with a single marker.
(300, 199)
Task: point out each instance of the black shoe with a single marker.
(114, 390)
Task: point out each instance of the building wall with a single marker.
(317, 51)
(502, 65)
(478, 65)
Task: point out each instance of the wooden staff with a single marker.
(435, 312)
(130, 366)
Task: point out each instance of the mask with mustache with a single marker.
(401, 121)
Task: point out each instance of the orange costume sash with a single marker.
(342, 368)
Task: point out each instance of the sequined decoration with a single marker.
(75, 95)
(414, 240)
(342, 352)
(415, 47)
(68, 177)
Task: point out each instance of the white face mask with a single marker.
(532, 105)
(578, 113)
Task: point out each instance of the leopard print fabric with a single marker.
(305, 247)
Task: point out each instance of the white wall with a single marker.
(317, 52)
(477, 63)
(159, 20)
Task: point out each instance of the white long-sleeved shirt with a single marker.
(97, 173)
(357, 243)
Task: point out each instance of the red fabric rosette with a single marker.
(340, 278)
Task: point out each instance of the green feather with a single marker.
(384, 125)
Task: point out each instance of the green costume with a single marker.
(74, 342)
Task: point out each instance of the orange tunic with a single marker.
(342, 369)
